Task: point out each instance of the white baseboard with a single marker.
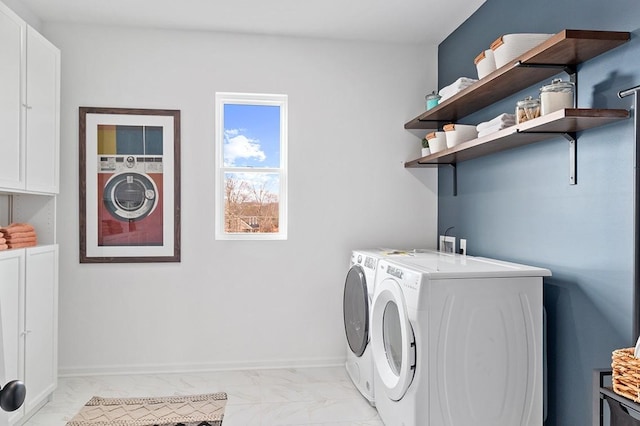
(110, 370)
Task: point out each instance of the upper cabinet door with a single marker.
(42, 114)
(12, 39)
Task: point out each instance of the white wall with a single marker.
(243, 304)
(24, 12)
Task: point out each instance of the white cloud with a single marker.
(239, 146)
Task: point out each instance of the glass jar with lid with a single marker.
(431, 100)
(527, 109)
(557, 95)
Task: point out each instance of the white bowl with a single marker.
(485, 63)
(437, 141)
(458, 133)
(509, 46)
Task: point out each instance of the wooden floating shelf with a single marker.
(541, 128)
(566, 48)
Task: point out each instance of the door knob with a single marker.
(12, 395)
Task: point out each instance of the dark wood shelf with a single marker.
(566, 48)
(541, 128)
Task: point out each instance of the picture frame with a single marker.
(129, 178)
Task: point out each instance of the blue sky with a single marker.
(251, 135)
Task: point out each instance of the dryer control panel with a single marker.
(408, 279)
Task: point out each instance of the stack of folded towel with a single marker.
(17, 235)
(457, 86)
(500, 122)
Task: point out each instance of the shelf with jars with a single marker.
(562, 51)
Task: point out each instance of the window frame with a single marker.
(221, 99)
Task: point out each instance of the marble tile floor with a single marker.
(270, 397)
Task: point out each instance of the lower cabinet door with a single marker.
(11, 322)
(41, 323)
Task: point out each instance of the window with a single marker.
(251, 166)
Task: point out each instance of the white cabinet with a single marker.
(29, 182)
(29, 114)
(29, 312)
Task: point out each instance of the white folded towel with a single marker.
(492, 129)
(457, 86)
(460, 84)
(500, 122)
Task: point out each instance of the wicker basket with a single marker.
(626, 373)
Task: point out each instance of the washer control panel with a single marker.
(126, 163)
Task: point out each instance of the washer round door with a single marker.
(393, 341)
(356, 310)
(130, 196)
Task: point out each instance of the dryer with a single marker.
(357, 297)
(457, 341)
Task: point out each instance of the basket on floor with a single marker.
(626, 373)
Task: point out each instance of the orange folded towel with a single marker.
(22, 245)
(30, 234)
(11, 241)
(17, 227)
(17, 235)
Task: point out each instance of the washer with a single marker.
(457, 341)
(358, 294)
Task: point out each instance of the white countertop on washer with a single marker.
(450, 265)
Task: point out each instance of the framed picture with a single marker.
(129, 185)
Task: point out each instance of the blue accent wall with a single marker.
(518, 205)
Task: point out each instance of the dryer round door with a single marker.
(393, 341)
(356, 310)
(130, 196)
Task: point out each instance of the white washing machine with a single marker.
(457, 341)
(358, 294)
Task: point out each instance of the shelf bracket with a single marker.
(455, 179)
(573, 158)
(570, 69)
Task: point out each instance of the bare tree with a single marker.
(250, 207)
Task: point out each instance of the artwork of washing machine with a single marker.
(130, 185)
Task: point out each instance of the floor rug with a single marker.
(194, 410)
